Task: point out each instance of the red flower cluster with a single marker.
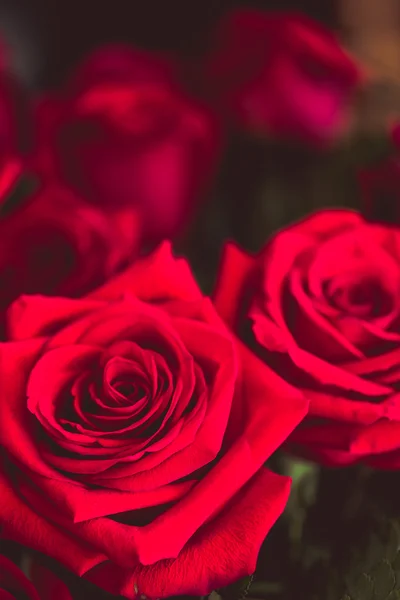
(134, 423)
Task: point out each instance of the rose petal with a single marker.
(14, 584)
(23, 525)
(48, 586)
(360, 412)
(377, 438)
(32, 316)
(235, 269)
(157, 276)
(51, 497)
(216, 555)
(322, 371)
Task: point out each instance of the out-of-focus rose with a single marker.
(124, 133)
(14, 585)
(135, 428)
(54, 243)
(281, 74)
(321, 305)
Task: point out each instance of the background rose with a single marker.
(322, 300)
(15, 585)
(52, 242)
(132, 454)
(281, 73)
(124, 133)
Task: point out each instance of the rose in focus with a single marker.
(320, 304)
(124, 133)
(281, 74)
(133, 454)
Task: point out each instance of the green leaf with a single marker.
(361, 588)
(384, 580)
(396, 569)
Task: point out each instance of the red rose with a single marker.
(54, 243)
(281, 73)
(15, 585)
(135, 429)
(322, 301)
(125, 134)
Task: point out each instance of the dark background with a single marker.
(52, 35)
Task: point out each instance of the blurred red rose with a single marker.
(54, 243)
(282, 74)
(321, 305)
(14, 585)
(125, 134)
(132, 454)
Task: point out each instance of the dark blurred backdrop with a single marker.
(50, 36)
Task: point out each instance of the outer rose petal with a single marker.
(216, 555)
(22, 524)
(352, 411)
(32, 316)
(387, 460)
(13, 582)
(160, 275)
(380, 437)
(345, 443)
(47, 584)
(328, 222)
(157, 276)
(235, 269)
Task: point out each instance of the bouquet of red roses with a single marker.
(158, 413)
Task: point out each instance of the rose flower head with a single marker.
(124, 133)
(281, 74)
(135, 429)
(320, 305)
